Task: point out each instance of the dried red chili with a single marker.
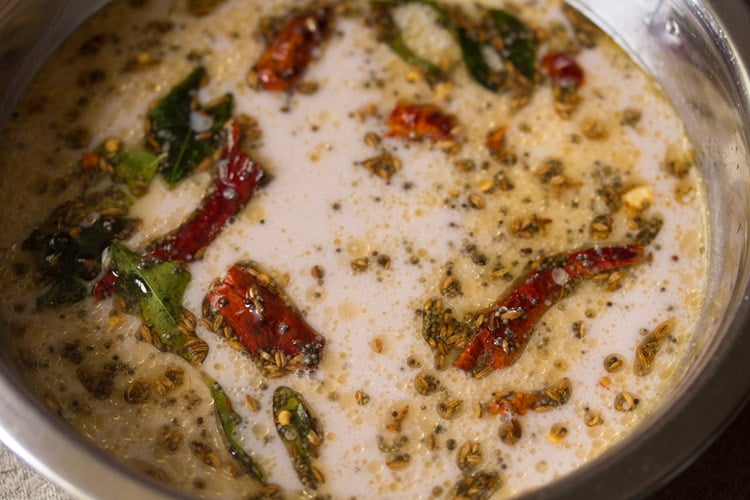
(263, 319)
(507, 325)
(420, 121)
(236, 180)
(284, 61)
(563, 69)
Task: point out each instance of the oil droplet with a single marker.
(259, 431)
(348, 310)
(357, 248)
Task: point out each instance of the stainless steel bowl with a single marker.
(699, 52)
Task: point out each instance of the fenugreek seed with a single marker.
(270, 489)
(187, 317)
(440, 362)
(166, 382)
(450, 409)
(213, 460)
(236, 345)
(464, 165)
(112, 212)
(665, 328)
(377, 345)
(262, 278)
(116, 320)
(464, 450)
(552, 396)
(145, 333)
(384, 166)
(477, 406)
(185, 329)
(613, 363)
(557, 433)
(477, 201)
(372, 139)
(650, 345)
(313, 438)
(430, 442)
(284, 417)
(511, 314)
(426, 384)
(359, 265)
(592, 418)
(361, 397)
(317, 272)
(252, 403)
(564, 389)
(307, 87)
(296, 360)
(137, 392)
(625, 402)
(399, 461)
(393, 427)
(319, 477)
(217, 323)
(511, 431)
(484, 372)
(253, 80)
(399, 415)
(280, 358)
(579, 329)
(273, 372)
(486, 185)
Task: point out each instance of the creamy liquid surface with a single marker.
(323, 208)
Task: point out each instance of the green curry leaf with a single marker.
(187, 132)
(228, 419)
(518, 42)
(479, 69)
(137, 167)
(389, 32)
(153, 290)
(64, 290)
(67, 247)
(300, 431)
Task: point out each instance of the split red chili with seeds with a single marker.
(420, 121)
(509, 323)
(282, 64)
(263, 320)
